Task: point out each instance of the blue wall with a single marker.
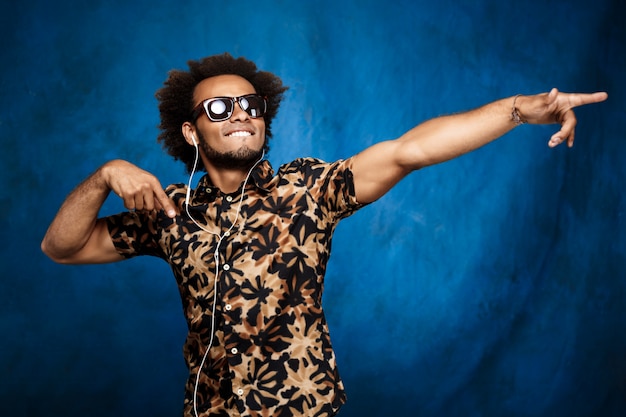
(492, 285)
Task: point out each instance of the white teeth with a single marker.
(240, 134)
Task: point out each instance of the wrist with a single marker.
(104, 175)
(516, 116)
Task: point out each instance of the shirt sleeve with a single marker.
(332, 185)
(135, 233)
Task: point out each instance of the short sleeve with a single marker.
(135, 234)
(330, 184)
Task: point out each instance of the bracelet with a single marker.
(515, 116)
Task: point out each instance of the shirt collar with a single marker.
(260, 178)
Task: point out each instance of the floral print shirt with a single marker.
(270, 349)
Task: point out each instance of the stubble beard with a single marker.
(242, 158)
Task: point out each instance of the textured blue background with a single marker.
(492, 285)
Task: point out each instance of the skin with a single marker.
(218, 135)
(377, 169)
(76, 235)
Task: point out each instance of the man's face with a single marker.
(236, 142)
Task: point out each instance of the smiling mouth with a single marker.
(239, 134)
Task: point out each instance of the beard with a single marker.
(242, 158)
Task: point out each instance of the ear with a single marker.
(189, 133)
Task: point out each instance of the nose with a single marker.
(239, 114)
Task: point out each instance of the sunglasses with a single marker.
(221, 108)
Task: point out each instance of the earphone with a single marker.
(220, 238)
(195, 164)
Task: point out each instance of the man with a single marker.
(249, 248)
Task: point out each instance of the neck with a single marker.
(227, 179)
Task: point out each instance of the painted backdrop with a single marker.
(492, 285)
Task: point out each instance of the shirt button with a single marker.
(234, 351)
(239, 391)
(226, 267)
(229, 198)
(228, 307)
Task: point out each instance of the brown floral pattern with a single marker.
(271, 352)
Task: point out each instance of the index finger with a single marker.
(581, 99)
(164, 202)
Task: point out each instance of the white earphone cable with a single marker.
(215, 257)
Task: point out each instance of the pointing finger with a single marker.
(165, 203)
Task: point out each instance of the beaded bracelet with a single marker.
(515, 116)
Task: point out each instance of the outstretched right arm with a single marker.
(77, 236)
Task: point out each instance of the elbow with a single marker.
(50, 252)
(45, 248)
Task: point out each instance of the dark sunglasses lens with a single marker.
(220, 109)
(254, 105)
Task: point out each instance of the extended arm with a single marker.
(377, 169)
(76, 235)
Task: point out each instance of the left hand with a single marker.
(556, 107)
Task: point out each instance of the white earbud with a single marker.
(193, 139)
